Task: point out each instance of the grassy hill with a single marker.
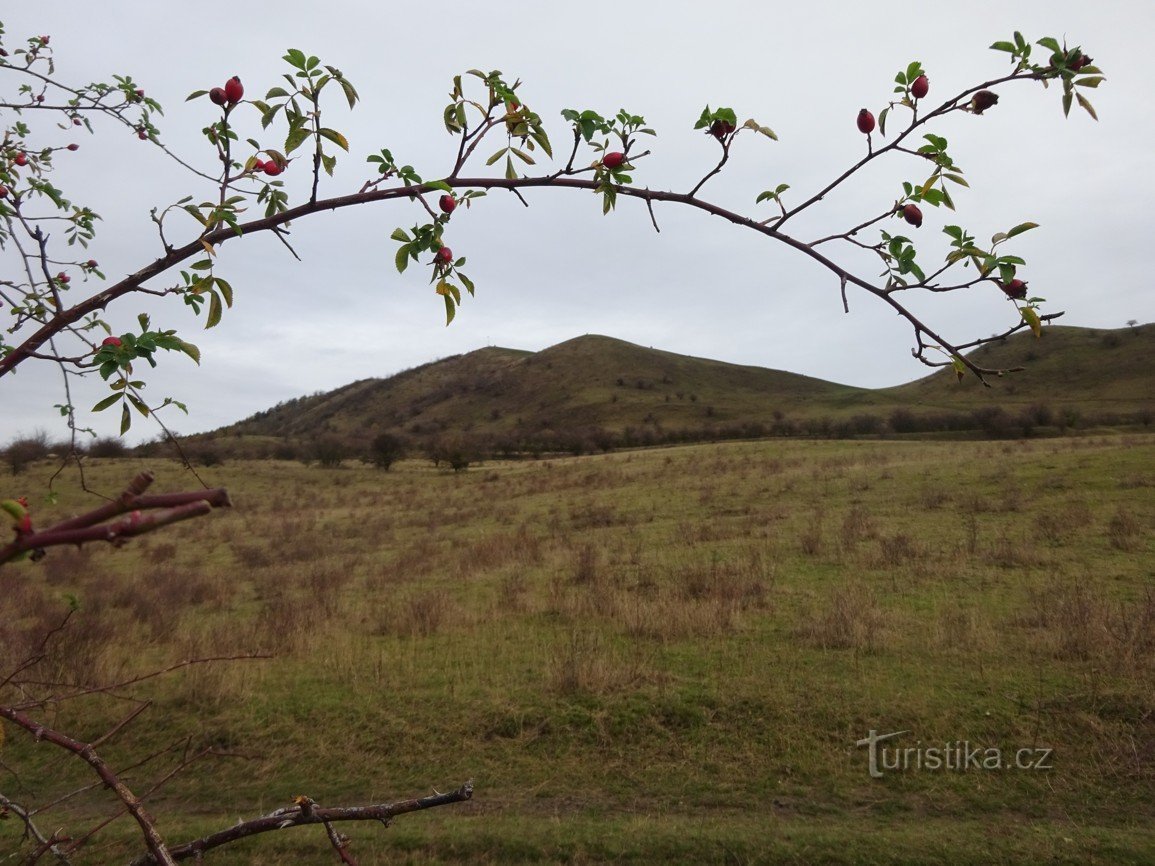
(637, 395)
(1108, 370)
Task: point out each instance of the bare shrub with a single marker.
(1124, 531)
(585, 662)
(857, 526)
(848, 618)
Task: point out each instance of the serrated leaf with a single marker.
(1004, 46)
(882, 120)
(401, 235)
(226, 290)
(1066, 105)
(439, 184)
(510, 171)
(998, 237)
(296, 137)
(335, 137)
(1051, 43)
(195, 94)
(215, 311)
(465, 281)
(329, 162)
(450, 310)
(125, 420)
(1090, 82)
(401, 258)
(957, 178)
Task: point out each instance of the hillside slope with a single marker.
(595, 382)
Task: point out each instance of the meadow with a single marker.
(665, 654)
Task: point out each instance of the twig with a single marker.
(309, 813)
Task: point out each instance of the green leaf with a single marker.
(215, 311)
(401, 257)
(139, 404)
(1004, 46)
(106, 402)
(1090, 82)
(1022, 227)
(400, 235)
(296, 137)
(350, 91)
(1066, 105)
(510, 172)
(496, 156)
(191, 350)
(1050, 42)
(439, 184)
(335, 137)
(275, 92)
(450, 310)
(465, 281)
(226, 290)
(195, 94)
(329, 162)
(1086, 105)
(125, 419)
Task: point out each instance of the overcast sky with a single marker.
(560, 269)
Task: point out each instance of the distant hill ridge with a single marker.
(597, 382)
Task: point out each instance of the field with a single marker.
(658, 655)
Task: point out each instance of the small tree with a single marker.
(385, 450)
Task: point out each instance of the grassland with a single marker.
(641, 656)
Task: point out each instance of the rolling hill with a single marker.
(600, 383)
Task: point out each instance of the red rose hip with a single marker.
(218, 96)
(912, 215)
(110, 341)
(444, 256)
(447, 203)
(1016, 289)
(920, 87)
(865, 122)
(614, 159)
(234, 90)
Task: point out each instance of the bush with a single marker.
(108, 446)
(26, 450)
(385, 450)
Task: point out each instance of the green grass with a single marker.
(666, 654)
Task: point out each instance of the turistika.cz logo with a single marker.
(956, 755)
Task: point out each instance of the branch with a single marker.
(46, 844)
(307, 812)
(157, 849)
(166, 508)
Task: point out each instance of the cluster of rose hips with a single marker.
(229, 95)
(270, 167)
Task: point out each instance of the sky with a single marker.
(560, 269)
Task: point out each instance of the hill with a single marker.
(595, 386)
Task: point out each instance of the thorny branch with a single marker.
(145, 513)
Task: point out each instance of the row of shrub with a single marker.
(457, 450)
